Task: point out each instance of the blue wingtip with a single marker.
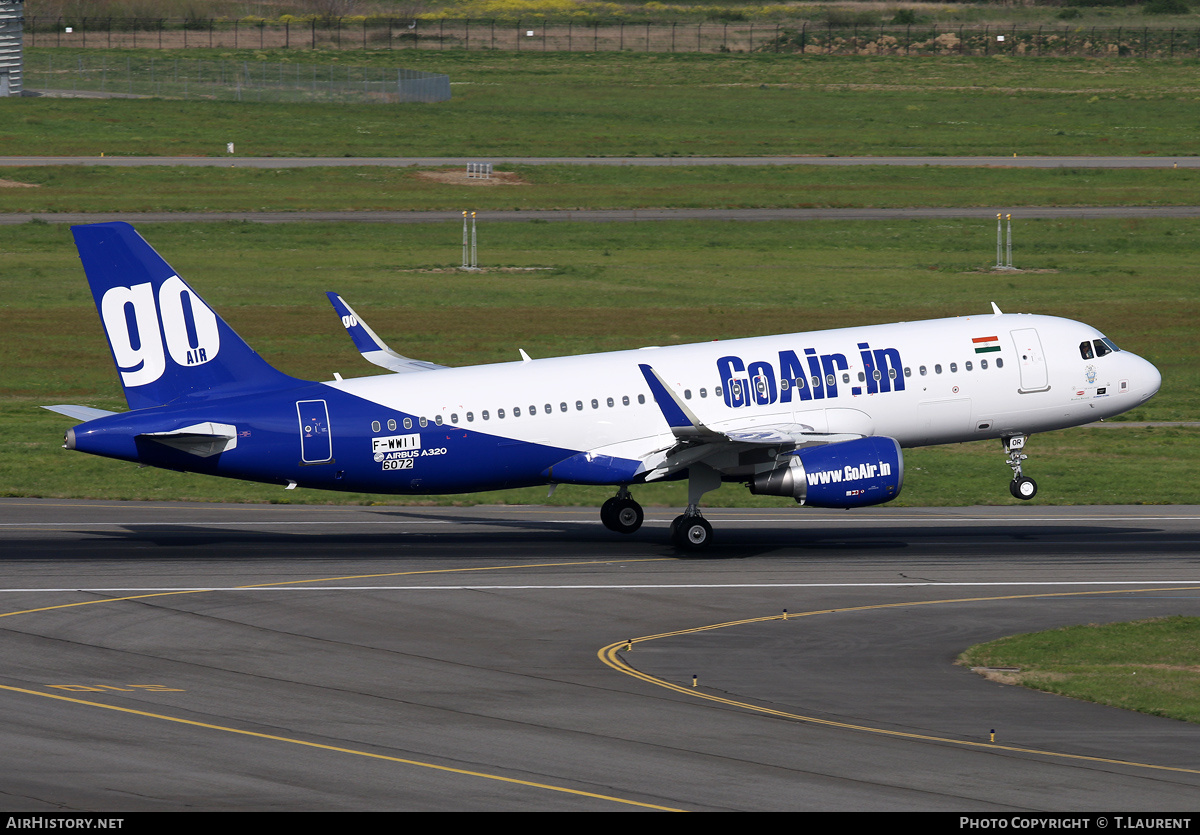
(361, 337)
(665, 400)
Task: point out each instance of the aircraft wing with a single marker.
(724, 450)
(368, 343)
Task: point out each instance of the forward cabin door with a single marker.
(1034, 376)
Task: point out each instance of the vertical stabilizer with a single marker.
(166, 342)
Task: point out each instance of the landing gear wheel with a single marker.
(1023, 488)
(621, 515)
(692, 533)
(608, 511)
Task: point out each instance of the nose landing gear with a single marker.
(1021, 486)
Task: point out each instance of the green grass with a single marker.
(1148, 666)
(573, 288)
(167, 189)
(616, 104)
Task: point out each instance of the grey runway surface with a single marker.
(172, 656)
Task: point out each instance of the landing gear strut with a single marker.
(691, 531)
(621, 513)
(1021, 487)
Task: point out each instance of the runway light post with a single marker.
(470, 253)
(1003, 263)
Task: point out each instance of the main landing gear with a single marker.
(690, 531)
(1021, 487)
(621, 513)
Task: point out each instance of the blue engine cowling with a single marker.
(855, 473)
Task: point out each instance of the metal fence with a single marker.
(185, 78)
(803, 37)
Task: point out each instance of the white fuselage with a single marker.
(940, 381)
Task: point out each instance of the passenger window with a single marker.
(407, 423)
(438, 420)
(641, 399)
(562, 407)
(454, 417)
(610, 402)
(470, 417)
(424, 422)
(516, 411)
(969, 366)
(845, 378)
(876, 375)
(983, 364)
(595, 403)
(799, 383)
(392, 424)
(579, 405)
(374, 426)
(937, 369)
(499, 414)
(907, 371)
(923, 371)
(625, 400)
(999, 362)
(953, 368)
(485, 414)
(549, 409)
(830, 380)
(687, 394)
(816, 382)
(704, 392)
(717, 391)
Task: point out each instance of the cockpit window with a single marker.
(1085, 350)
(1105, 346)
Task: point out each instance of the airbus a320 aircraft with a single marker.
(818, 416)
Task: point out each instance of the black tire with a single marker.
(608, 513)
(1023, 488)
(675, 523)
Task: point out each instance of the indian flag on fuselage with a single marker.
(986, 344)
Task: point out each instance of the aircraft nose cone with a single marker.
(1153, 379)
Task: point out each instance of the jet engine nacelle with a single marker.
(855, 473)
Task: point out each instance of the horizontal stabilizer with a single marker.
(80, 412)
(368, 343)
(199, 439)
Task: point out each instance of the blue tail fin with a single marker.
(166, 342)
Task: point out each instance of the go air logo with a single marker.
(850, 473)
(143, 330)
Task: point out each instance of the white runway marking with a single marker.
(616, 587)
